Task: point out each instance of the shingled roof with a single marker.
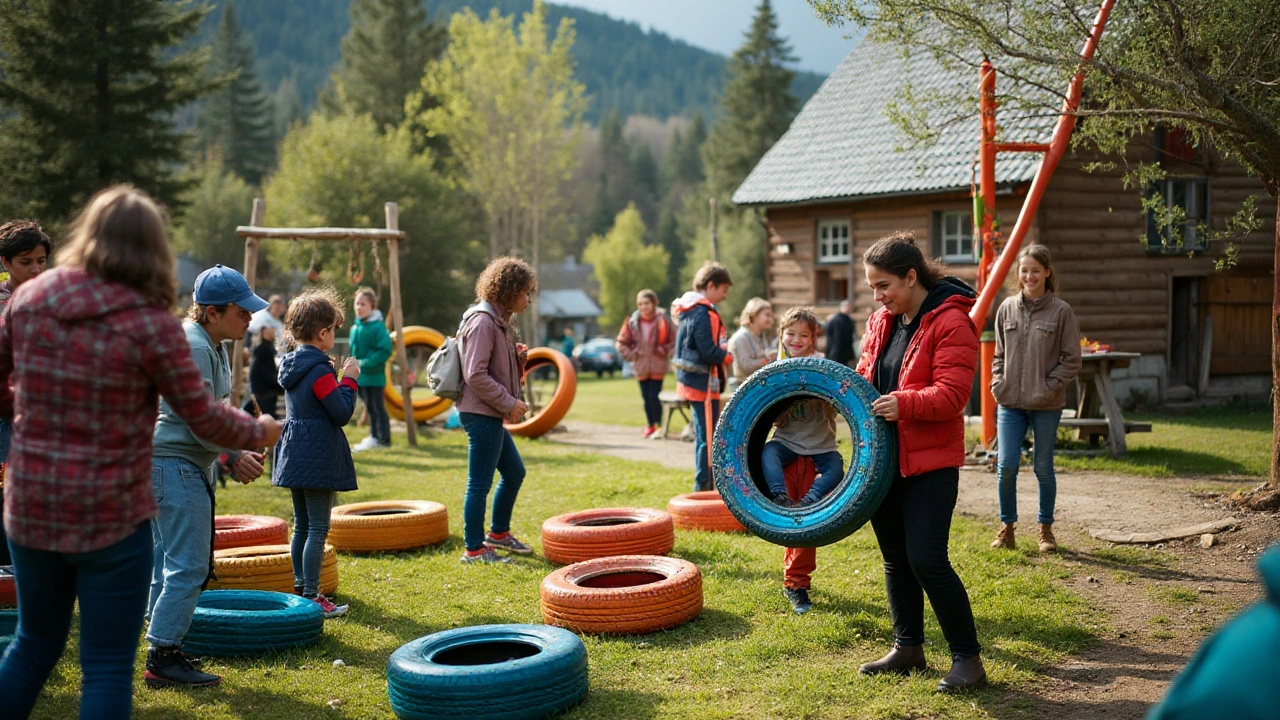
(843, 144)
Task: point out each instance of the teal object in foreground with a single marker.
(488, 672)
(8, 622)
(744, 428)
(230, 623)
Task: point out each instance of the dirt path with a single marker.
(1156, 613)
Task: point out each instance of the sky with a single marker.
(719, 25)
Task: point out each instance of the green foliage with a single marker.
(341, 171)
(217, 201)
(682, 167)
(667, 236)
(624, 265)
(239, 119)
(383, 58)
(88, 89)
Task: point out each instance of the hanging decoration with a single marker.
(313, 275)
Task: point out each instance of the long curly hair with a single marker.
(503, 281)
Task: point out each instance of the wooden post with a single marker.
(715, 241)
(256, 218)
(397, 316)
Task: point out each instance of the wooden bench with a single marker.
(1094, 429)
(672, 404)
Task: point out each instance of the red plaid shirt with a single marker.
(88, 360)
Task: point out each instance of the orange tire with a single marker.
(233, 531)
(555, 410)
(425, 408)
(703, 510)
(267, 567)
(577, 536)
(8, 590)
(388, 525)
(625, 595)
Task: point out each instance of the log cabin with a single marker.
(845, 175)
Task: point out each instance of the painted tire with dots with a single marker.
(561, 400)
(4, 643)
(703, 510)
(267, 567)
(488, 672)
(8, 589)
(744, 427)
(426, 408)
(627, 595)
(233, 531)
(388, 525)
(230, 623)
(605, 532)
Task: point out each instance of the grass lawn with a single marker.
(747, 656)
(615, 401)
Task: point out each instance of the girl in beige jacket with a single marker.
(1037, 355)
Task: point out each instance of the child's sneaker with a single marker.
(649, 432)
(508, 542)
(799, 598)
(330, 610)
(486, 555)
(368, 443)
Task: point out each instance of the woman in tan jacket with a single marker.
(1037, 355)
(646, 340)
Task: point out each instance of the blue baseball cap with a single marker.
(221, 286)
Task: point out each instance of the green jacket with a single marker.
(1234, 675)
(371, 345)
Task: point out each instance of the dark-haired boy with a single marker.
(699, 358)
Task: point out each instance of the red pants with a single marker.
(798, 563)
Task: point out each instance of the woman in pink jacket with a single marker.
(646, 340)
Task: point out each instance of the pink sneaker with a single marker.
(330, 610)
(650, 432)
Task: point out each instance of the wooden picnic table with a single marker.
(1098, 412)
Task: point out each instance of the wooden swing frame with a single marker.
(255, 232)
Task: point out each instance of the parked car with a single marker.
(598, 355)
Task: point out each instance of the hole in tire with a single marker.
(621, 579)
(606, 522)
(368, 513)
(763, 427)
(486, 653)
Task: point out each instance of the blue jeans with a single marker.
(181, 535)
(1011, 428)
(379, 423)
(702, 479)
(776, 456)
(111, 585)
(491, 448)
(310, 530)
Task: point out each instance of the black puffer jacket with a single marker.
(314, 453)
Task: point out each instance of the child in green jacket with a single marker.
(371, 346)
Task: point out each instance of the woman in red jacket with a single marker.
(920, 352)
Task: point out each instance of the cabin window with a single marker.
(1179, 221)
(953, 233)
(833, 241)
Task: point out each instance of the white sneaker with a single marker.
(368, 443)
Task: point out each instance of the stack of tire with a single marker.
(618, 581)
(704, 510)
(267, 567)
(237, 623)
(486, 672)
(233, 531)
(388, 526)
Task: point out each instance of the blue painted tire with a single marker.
(488, 672)
(744, 427)
(230, 623)
(4, 643)
(8, 622)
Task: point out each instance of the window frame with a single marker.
(941, 236)
(820, 255)
(1156, 236)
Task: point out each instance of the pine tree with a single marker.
(757, 106)
(239, 120)
(668, 236)
(383, 58)
(88, 90)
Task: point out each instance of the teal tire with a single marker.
(488, 672)
(8, 622)
(231, 623)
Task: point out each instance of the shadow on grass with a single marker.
(617, 704)
(1141, 563)
(1174, 460)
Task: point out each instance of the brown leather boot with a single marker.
(966, 672)
(1048, 544)
(1004, 539)
(900, 661)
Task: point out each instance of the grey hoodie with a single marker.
(173, 438)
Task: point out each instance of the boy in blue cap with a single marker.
(183, 472)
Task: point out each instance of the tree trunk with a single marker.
(1275, 353)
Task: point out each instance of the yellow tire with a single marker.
(267, 567)
(388, 525)
(419, 343)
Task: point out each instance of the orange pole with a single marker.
(987, 191)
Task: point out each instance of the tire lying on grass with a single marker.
(488, 672)
(388, 525)
(267, 567)
(230, 623)
(555, 408)
(627, 595)
(703, 510)
(744, 427)
(577, 536)
(419, 343)
(233, 531)
(8, 589)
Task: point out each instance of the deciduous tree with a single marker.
(624, 265)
